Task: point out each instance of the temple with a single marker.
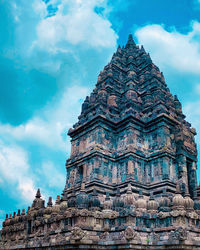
(131, 176)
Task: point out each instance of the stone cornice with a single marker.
(100, 119)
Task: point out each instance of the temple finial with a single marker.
(130, 42)
(142, 49)
(176, 98)
(38, 194)
(130, 38)
(50, 203)
(119, 50)
(57, 200)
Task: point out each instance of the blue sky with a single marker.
(50, 57)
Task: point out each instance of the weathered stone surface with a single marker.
(131, 176)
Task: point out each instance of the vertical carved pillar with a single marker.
(100, 170)
(136, 171)
(130, 167)
(96, 169)
(114, 174)
(148, 173)
(165, 168)
(84, 172)
(192, 180)
(183, 175)
(184, 168)
(168, 138)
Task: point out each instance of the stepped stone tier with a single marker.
(131, 176)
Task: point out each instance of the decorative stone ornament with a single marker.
(152, 204)
(94, 201)
(179, 234)
(188, 202)
(107, 205)
(178, 200)
(38, 202)
(129, 199)
(118, 201)
(164, 204)
(130, 233)
(141, 203)
(77, 234)
(82, 199)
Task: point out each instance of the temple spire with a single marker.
(38, 194)
(130, 42)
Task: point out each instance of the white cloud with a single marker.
(75, 23)
(47, 128)
(14, 170)
(172, 49)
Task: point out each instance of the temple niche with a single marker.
(131, 175)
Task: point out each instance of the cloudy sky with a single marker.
(51, 54)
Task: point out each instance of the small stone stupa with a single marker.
(131, 176)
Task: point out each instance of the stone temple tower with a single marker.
(131, 176)
(132, 131)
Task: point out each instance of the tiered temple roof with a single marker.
(131, 84)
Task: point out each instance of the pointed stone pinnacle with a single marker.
(58, 199)
(38, 194)
(176, 98)
(130, 42)
(119, 50)
(23, 212)
(130, 38)
(50, 203)
(142, 49)
(18, 212)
